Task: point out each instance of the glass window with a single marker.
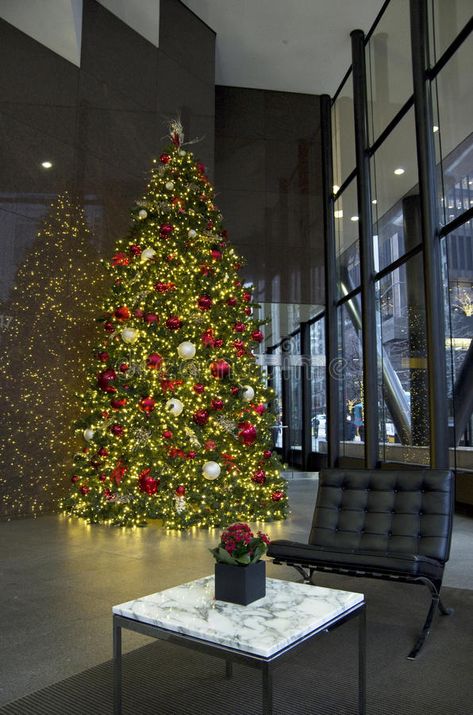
(291, 348)
(318, 416)
(343, 134)
(402, 357)
(389, 66)
(349, 371)
(395, 194)
(447, 19)
(347, 240)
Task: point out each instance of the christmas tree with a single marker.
(176, 420)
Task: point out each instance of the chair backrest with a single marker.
(385, 511)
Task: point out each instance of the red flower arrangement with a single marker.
(239, 546)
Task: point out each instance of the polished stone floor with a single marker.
(60, 579)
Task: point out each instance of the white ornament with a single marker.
(88, 434)
(129, 335)
(174, 406)
(186, 350)
(248, 393)
(211, 470)
(169, 185)
(180, 503)
(142, 214)
(147, 254)
(182, 152)
(192, 233)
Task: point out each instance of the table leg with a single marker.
(228, 668)
(267, 690)
(117, 668)
(362, 662)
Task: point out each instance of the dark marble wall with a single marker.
(268, 175)
(100, 125)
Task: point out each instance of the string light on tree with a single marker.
(177, 404)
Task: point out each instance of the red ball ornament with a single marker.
(232, 301)
(151, 318)
(122, 313)
(204, 302)
(164, 158)
(260, 409)
(216, 254)
(135, 249)
(174, 322)
(239, 327)
(257, 336)
(165, 230)
(109, 327)
(147, 483)
(103, 477)
(191, 455)
(201, 168)
(220, 369)
(102, 452)
(84, 489)
(208, 338)
(180, 490)
(201, 417)
(105, 379)
(217, 403)
(198, 388)
(277, 495)
(247, 296)
(218, 342)
(103, 356)
(167, 434)
(247, 434)
(234, 390)
(117, 429)
(153, 361)
(138, 313)
(118, 402)
(123, 367)
(267, 454)
(147, 404)
(75, 478)
(259, 477)
(248, 310)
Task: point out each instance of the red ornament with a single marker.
(174, 322)
(103, 356)
(248, 310)
(102, 452)
(277, 495)
(165, 230)
(204, 302)
(118, 472)
(138, 313)
(84, 489)
(234, 390)
(210, 445)
(147, 483)
(239, 327)
(267, 454)
(216, 254)
(164, 287)
(237, 284)
(75, 478)
(147, 404)
(109, 327)
(167, 434)
(217, 403)
(201, 168)
(257, 336)
(120, 259)
(259, 477)
(180, 490)
(232, 301)
(118, 402)
(206, 271)
(117, 429)
(123, 367)
(104, 380)
(247, 434)
(218, 342)
(239, 346)
(220, 369)
(260, 409)
(151, 318)
(103, 477)
(135, 249)
(198, 388)
(237, 266)
(153, 361)
(164, 158)
(247, 296)
(107, 494)
(191, 455)
(122, 313)
(201, 417)
(208, 338)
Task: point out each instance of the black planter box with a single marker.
(240, 584)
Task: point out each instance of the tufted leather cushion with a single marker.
(384, 512)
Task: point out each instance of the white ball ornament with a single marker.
(174, 406)
(192, 233)
(248, 393)
(147, 255)
(142, 214)
(211, 470)
(186, 350)
(169, 185)
(129, 335)
(182, 152)
(88, 434)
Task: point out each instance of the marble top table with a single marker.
(257, 634)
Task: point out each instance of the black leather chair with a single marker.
(385, 524)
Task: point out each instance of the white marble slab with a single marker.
(288, 612)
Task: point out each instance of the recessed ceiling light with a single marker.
(338, 214)
(46, 164)
(354, 218)
(375, 201)
(435, 128)
(399, 171)
(335, 188)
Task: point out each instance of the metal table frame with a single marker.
(231, 655)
